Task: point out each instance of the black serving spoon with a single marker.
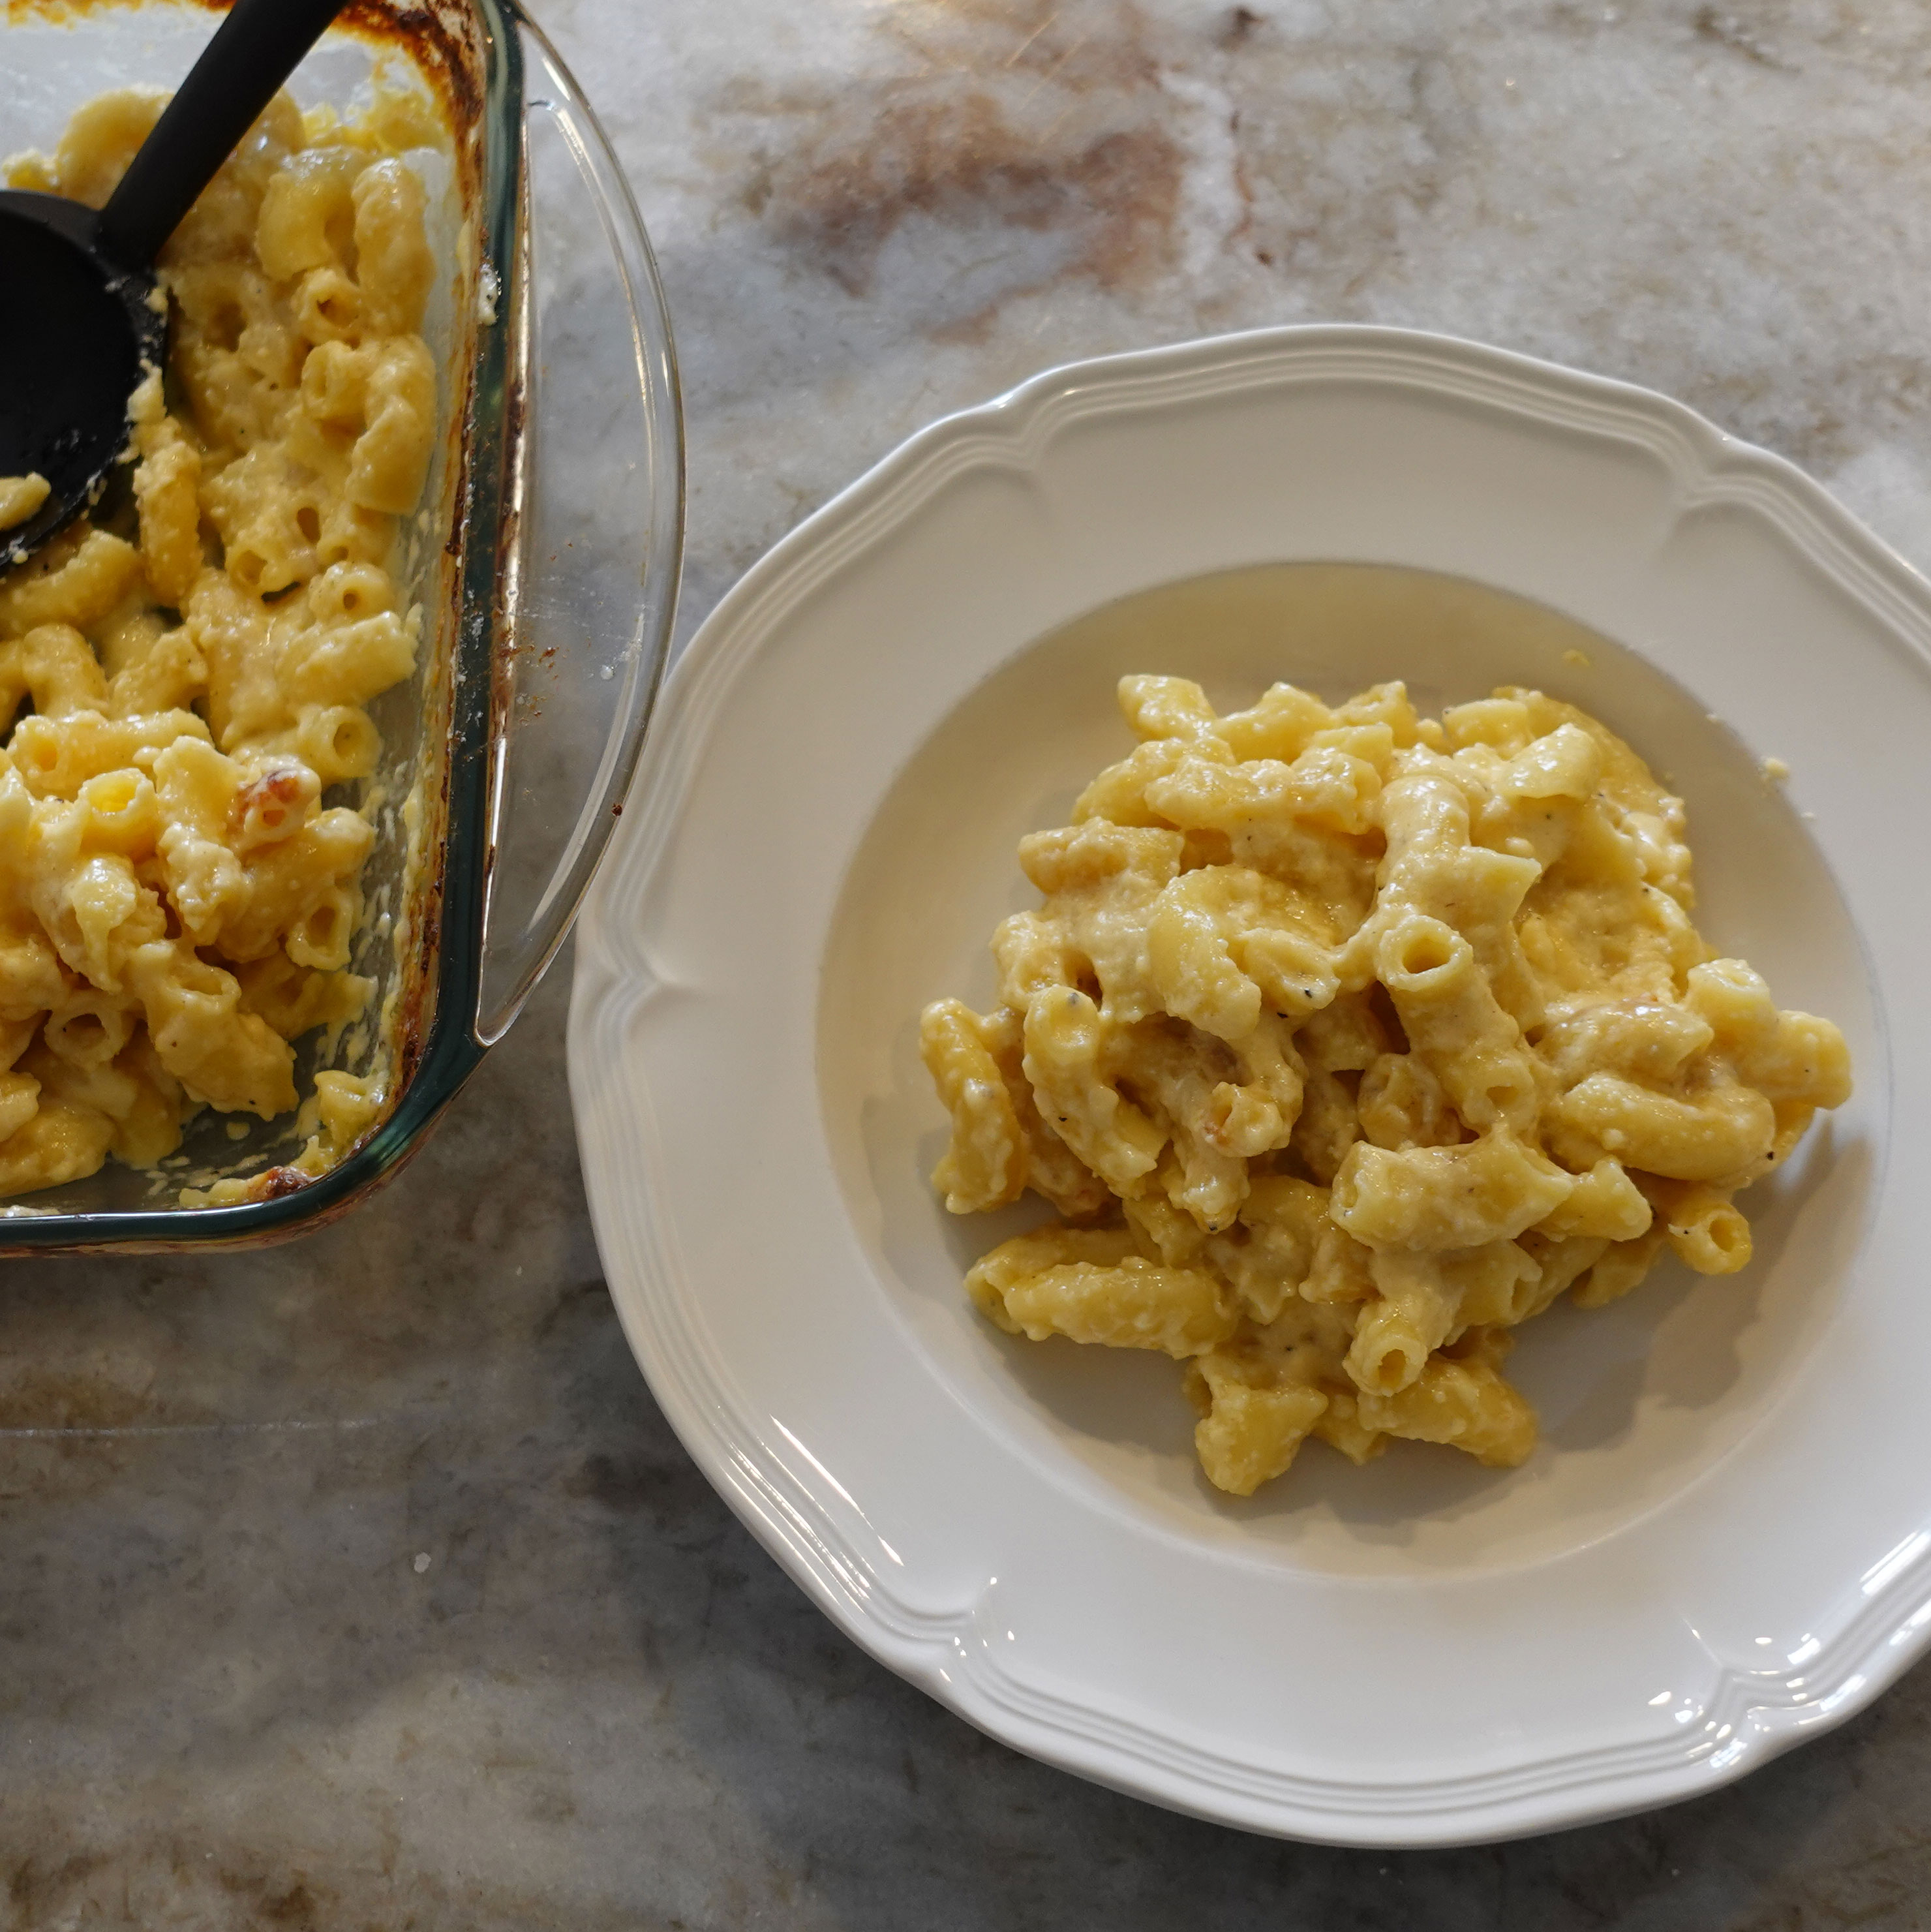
(79, 313)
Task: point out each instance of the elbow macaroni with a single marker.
(1347, 1040)
(21, 497)
(177, 903)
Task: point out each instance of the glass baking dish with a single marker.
(545, 555)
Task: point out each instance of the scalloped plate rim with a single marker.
(614, 979)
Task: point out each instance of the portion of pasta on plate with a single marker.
(177, 902)
(1344, 1042)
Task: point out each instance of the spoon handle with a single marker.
(254, 50)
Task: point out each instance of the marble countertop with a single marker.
(359, 1583)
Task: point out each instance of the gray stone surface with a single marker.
(232, 1692)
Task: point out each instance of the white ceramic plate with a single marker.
(1724, 1542)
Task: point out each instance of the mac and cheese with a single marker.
(21, 497)
(177, 899)
(1344, 1041)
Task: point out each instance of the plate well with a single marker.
(1637, 1400)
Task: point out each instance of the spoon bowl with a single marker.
(73, 348)
(80, 313)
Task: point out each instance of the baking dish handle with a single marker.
(592, 532)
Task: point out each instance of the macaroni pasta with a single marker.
(21, 497)
(1344, 1041)
(180, 689)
